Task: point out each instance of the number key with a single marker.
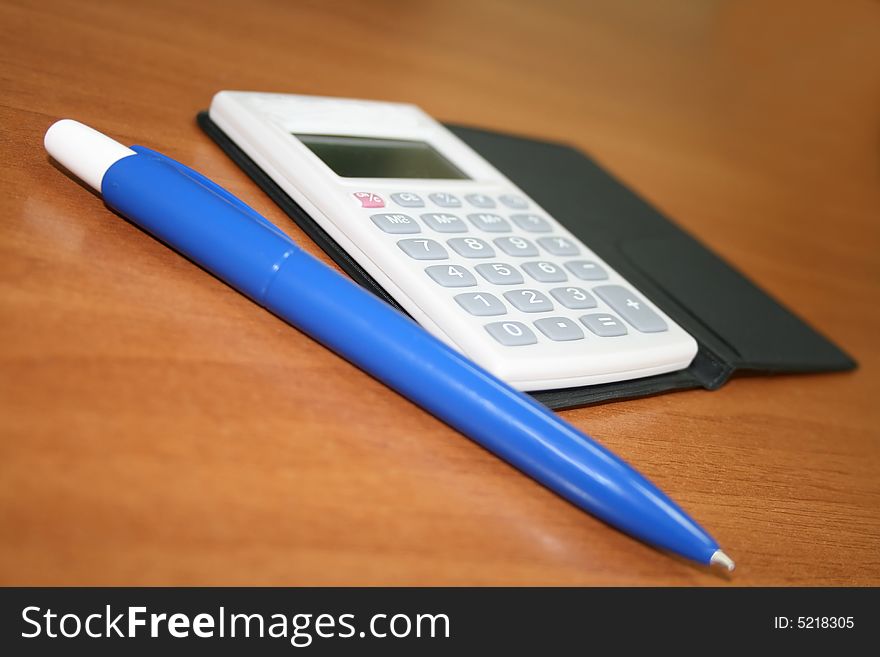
(451, 275)
(500, 273)
(423, 249)
(471, 247)
(511, 334)
(481, 304)
(529, 301)
(575, 298)
(545, 272)
(516, 246)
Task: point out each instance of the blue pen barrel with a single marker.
(187, 212)
(228, 239)
(395, 350)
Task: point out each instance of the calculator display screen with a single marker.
(369, 157)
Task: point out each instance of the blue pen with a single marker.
(232, 241)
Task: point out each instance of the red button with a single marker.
(369, 200)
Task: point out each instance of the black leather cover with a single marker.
(737, 325)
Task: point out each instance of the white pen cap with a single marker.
(83, 150)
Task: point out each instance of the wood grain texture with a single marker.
(158, 428)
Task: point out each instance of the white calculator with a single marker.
(465, 252)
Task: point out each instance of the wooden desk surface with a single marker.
(158, 428)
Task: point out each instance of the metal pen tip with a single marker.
(719, 558)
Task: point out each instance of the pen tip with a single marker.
(719, 558)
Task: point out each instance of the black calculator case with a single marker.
(738, 326)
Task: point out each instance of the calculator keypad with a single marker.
(475, 260)
(550, 307)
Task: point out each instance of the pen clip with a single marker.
(214, 187)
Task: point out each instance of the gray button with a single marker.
(514, 201)
(529, 301)
(445, 200)
(586, 270)
(604, 325)
(532, 223)
(631, 308)
(481, 304)
(511, 334)
(445, 223)
(491, 223)
(408, 200)
(561, 246)
(516, 246)
(545, 272)
(451, 275)
(423, 249)
(471, 247)
(480, 200)
(576, 298)
(500, 273)
(560, 329)
(396, 223)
